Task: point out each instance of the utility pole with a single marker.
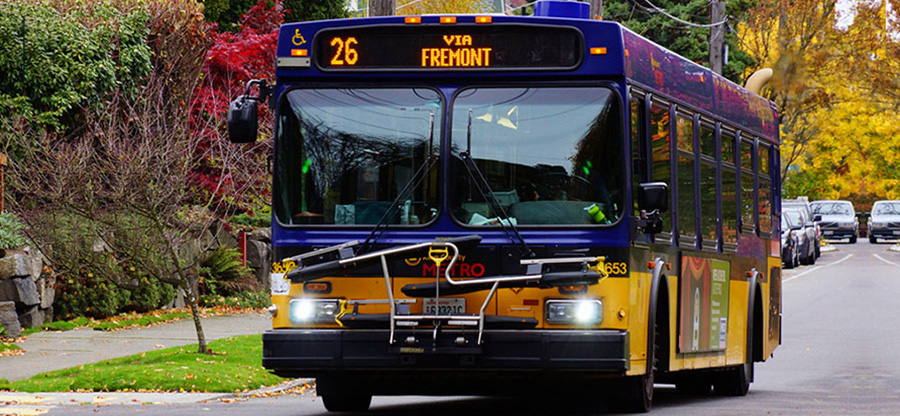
(596, 9)
(381, 7)
(716, 36)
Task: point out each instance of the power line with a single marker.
(684, 22)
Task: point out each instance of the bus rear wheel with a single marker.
(734, 381)
(347, 402)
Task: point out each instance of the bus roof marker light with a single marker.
(299, 52)
(483, 19)
(412, 20)
(449, 20)
(598, 51)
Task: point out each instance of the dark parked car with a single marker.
(838, 219)
(790, 243)
(884, 222)
(807, 234)
(803, 205)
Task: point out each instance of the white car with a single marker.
(884, 222)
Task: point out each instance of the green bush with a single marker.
(9, 231)
(67, 55)
(91, 296)
(223, 274)
(261, 218)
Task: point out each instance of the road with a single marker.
(841, 356)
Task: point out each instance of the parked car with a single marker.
(884, 222)
(838, 219)
(802, 204)
(790, 243)
(807, 234)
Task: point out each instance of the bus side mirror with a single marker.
(242, 120)
(243, 113)
(653, 196)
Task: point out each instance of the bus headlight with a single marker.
(305, 311)
(578, 312)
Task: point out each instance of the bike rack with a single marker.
(440, 251)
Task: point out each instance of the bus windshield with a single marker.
(345, 155)
(549, 155)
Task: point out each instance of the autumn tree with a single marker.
(835, 90)
(683, 27)
(118, 202)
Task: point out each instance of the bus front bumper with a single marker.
(310, 352)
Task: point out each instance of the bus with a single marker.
(482, 204)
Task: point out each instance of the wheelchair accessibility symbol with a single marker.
(298, 38)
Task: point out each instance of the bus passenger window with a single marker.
(638, 163)
(765, 190)
(659, 146)
(729, 188)
(686, 210)
(708, 213)
(748, 219)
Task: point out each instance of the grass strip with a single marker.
(236, 365)
(7, 348)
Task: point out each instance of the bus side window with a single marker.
(638, 147)
(687, 207)
(748, 193)
(765, 190)
(729, 189)
(708, 211)
(659, 145)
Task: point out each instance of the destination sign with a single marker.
(430, 48)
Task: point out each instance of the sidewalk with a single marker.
(48, 351)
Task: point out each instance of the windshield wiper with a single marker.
(478, 179)
(404, 193)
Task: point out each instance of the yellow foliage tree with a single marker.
(836, 89)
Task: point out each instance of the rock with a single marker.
(21, 290)
(262, 276)
(223, 236)
(261, 234)
(31, 317)
(9, 319)
(48, 314)
(15, 266)
(47, 290)
(37, 266)
(257, 254)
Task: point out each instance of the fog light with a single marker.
(578, 312)
(305, 311)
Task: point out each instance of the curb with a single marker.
(276, 389)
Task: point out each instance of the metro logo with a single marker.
(458, 270)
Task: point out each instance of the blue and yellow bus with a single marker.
(478, 204)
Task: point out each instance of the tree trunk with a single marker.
(381, 7)
(195, 313)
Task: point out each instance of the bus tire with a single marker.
(736, 380)
(636, 392)
(347, 402)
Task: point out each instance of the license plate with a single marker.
(896, 232)
(444, 306)
(828, 232)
